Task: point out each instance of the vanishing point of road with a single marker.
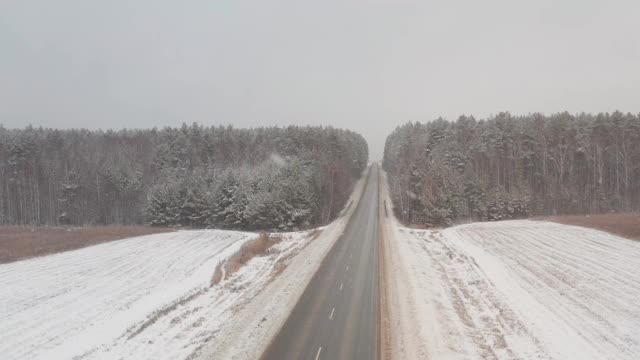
(337, 316)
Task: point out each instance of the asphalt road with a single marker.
(337, 315)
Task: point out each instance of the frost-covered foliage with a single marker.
(257, 179)
(267, 196)
(509, 167)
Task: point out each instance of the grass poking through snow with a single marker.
(252, 248)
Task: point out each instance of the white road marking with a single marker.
(331, 315)
(347, 267)
(350, 255)
(318, 354)
(341, 284)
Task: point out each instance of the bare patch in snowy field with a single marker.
(252, 248)
(17, 242)
(316, 232)
(419, 226)
(626, 225)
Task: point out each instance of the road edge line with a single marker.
(384, 325)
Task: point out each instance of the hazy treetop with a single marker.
(366, 65)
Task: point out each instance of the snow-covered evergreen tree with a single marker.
(188, 176)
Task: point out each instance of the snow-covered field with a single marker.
(148, 297)
(515, 290)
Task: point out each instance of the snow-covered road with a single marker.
(139, 298)
(515, 290)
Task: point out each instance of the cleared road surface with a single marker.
(337, 315)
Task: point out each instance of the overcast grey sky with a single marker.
(365, 65)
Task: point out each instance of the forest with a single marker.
(275, 178)
(507, 166)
